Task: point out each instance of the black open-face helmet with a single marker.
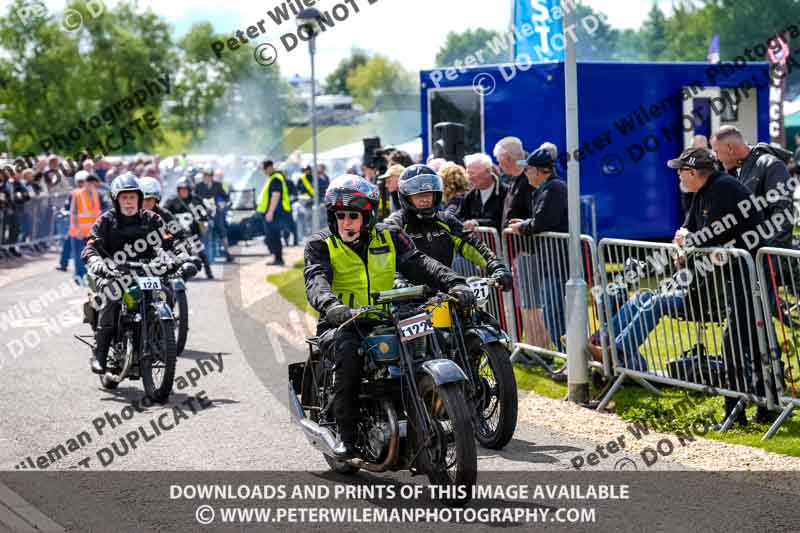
(185, 182)
(418, 179)
(352, 193)
(126, 183)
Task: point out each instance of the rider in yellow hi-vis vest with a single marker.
(275, 206)
(344, 264)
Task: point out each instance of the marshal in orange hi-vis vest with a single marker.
(84, 208)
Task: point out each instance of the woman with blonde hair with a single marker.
(455, 186)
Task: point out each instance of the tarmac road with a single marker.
(50, 397)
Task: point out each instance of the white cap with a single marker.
(81, 176)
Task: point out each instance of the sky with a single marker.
(409, 31)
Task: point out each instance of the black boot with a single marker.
(103, 338)
(730, 404)
(206, 265)
(765, 416)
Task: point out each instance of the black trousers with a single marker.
(272, 236)
(342, 347)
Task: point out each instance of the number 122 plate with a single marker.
(416, 326)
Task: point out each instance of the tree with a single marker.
(336, 82)
(458, 46)
(601, 44)
(654, 34)
(380, 79)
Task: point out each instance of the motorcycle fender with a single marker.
(179, 285)
(443, 371)
(163, 312)
(487, 334)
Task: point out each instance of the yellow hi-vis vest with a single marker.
(263, 202)
(309, 189)
(353, 281)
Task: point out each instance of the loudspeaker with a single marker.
(448, 141)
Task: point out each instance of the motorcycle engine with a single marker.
(377, 445)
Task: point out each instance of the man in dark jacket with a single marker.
(210, 189)
(192, 215)
(344, 264)
(115, 238)
(436, 233)
(548, 213)
(762, 169)
(716, 219)
(483, 205)
(517, 203)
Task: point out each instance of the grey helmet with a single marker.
(151, 188)
(126, 183)
(185, 182)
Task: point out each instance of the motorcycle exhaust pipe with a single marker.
(318, 436)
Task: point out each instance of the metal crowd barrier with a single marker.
(35, 225)
(540, 266)
(779, 281)
(499, 302)
(697, 324)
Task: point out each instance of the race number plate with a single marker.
(149, 283)
(415, 327)
(480, 288)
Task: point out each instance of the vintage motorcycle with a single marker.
(144, 336)
(413, 412)
(476, 341)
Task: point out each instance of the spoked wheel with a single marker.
(158, 367)
(314, 376)
(496, 417)
(180, 312)
(451, 458)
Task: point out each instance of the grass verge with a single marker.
(636, 404)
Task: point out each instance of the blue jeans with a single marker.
(637, 318)
(551, 298)
(66, 251)
(77, 245)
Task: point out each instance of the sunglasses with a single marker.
(352, 216)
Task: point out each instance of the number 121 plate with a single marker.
(416, 326)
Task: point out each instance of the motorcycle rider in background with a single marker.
(344, 264)
(186, 206)
(436, 233)
(208, 189)
(151, 188)
(115, 238)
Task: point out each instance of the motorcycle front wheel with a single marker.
(497, 393)
(452, 458)
(158, 367)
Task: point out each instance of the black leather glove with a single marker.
(338, 314)
(98, 267)
(188, 270)
(465, 296)
(504, 277)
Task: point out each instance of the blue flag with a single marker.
(539, 29)
(713, 50)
